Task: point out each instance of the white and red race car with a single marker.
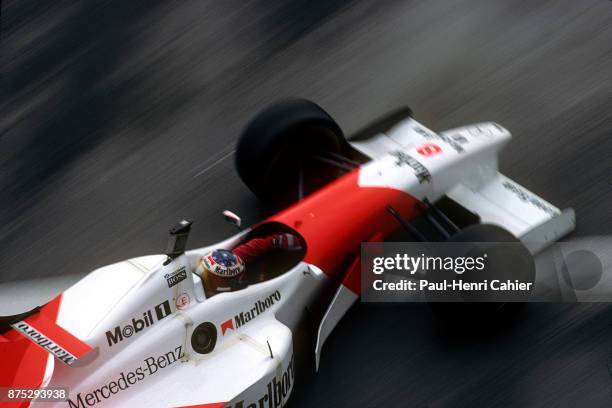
(143, 332)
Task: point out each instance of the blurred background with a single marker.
(119, 118)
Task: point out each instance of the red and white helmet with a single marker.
(221, 270)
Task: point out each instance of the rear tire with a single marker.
(280, 144)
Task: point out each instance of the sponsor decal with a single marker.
(420, 171)
(529, 198)
(459, 139)
(429, 149)
(485, 131)
(455, 142)
(277, 391)
(223, 263)
(226, 325)
(45, 342)
(242, 318)
(119, 333)
(175, 277)
(423, 132)
(125, 380)
(182, 301)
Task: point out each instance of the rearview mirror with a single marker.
(232, 218)
(177, 239)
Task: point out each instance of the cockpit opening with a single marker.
(266, 252)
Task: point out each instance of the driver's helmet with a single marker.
(221, 270)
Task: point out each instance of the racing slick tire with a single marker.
(476, 318)
(276, 153)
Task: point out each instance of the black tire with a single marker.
(280, 142)
(466, 319)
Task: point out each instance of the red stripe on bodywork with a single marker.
(210, 405)
(336, 219)
(23, 362)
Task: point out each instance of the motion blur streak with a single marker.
(109, 110)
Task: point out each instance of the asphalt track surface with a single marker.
(119, 118)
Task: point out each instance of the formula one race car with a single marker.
(159, 331)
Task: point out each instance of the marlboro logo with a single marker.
(226, 325)
(259, 307)
(277, 391)
(148, 318)
(43, 341)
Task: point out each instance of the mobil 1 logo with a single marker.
(137, 324)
